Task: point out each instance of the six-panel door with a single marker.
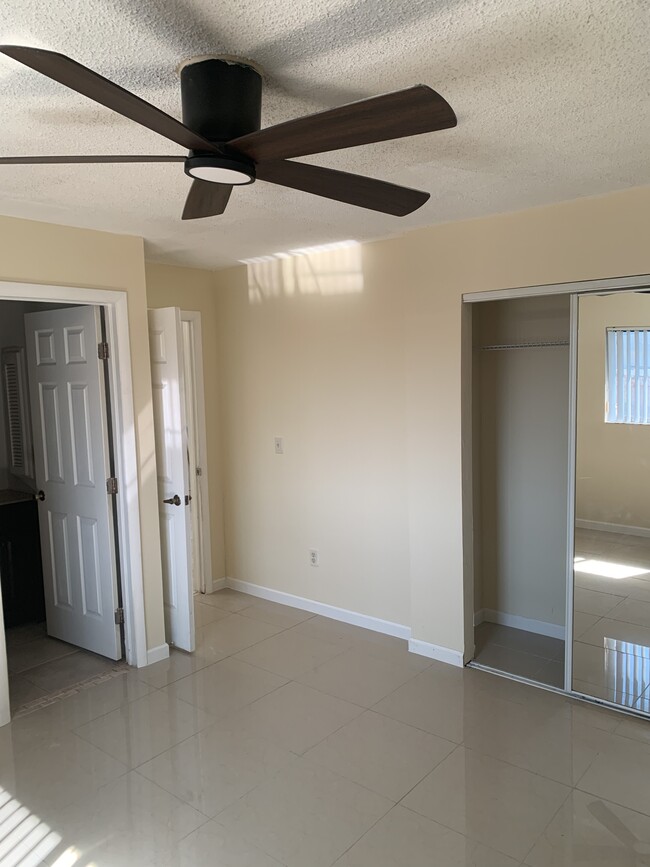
(71, 462)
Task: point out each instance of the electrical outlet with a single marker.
(279, 445)
(314, 557)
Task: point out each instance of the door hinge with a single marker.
(119, 616)
(102, 351)
(111, 485)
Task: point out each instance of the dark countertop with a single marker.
(7, 497)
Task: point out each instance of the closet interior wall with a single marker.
(520, 458)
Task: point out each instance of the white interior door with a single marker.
(166, 348)
(71, 467)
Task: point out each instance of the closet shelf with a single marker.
(533, 344)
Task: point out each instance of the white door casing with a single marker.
(193, 465)
(67, 400)
(170, 428)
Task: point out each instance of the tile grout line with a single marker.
(449, 827)
(546, 827)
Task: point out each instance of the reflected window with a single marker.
(627, 391)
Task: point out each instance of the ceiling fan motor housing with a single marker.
(221, 100)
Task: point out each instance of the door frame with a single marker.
(205, 578)
(115, 303)
(575, 289)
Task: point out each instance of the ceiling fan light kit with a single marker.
(220, 169)
(221, 100)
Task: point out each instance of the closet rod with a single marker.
(541, 344)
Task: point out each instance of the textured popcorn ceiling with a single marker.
(552, 98)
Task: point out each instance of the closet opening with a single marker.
(556, 433)
(520, 405)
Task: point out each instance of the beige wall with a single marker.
(193, 289)
(612, 460)
(33, 252)
(322, 365)
(365, 387)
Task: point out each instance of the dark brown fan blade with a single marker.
(206, 199)
(72, 74)
(108, 158)
(393, 115)
(343, 187)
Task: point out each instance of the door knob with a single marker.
(40, 496)
(173, 501)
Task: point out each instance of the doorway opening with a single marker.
(74, 545)
(59, 554)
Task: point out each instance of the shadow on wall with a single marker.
(331, 269)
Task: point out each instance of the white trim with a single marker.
(610, 284)
(127, 465)
(219, 584)
(194, 317)
(469, 518)
(605, 527)
(516, 621)
(157, 654)
(435, 651)
(117, 318)
(376, 624)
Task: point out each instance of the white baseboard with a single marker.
(604, 527)
(387, 627)
(218, 584)
(157, 654)
(435, 651)
(541, 627)
(376, 624)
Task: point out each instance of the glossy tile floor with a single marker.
(40, 666)
(516, 651)
(612, 617)
(293, 740)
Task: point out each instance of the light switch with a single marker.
(279, 445)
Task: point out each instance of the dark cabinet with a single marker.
(21, 571)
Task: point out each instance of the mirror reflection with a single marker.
(611, 619)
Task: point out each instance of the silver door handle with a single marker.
(173, 501)
(40, 496)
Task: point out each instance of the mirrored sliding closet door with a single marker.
(611, 616)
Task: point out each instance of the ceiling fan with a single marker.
(221, 103)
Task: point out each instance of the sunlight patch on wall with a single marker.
(329, 269)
